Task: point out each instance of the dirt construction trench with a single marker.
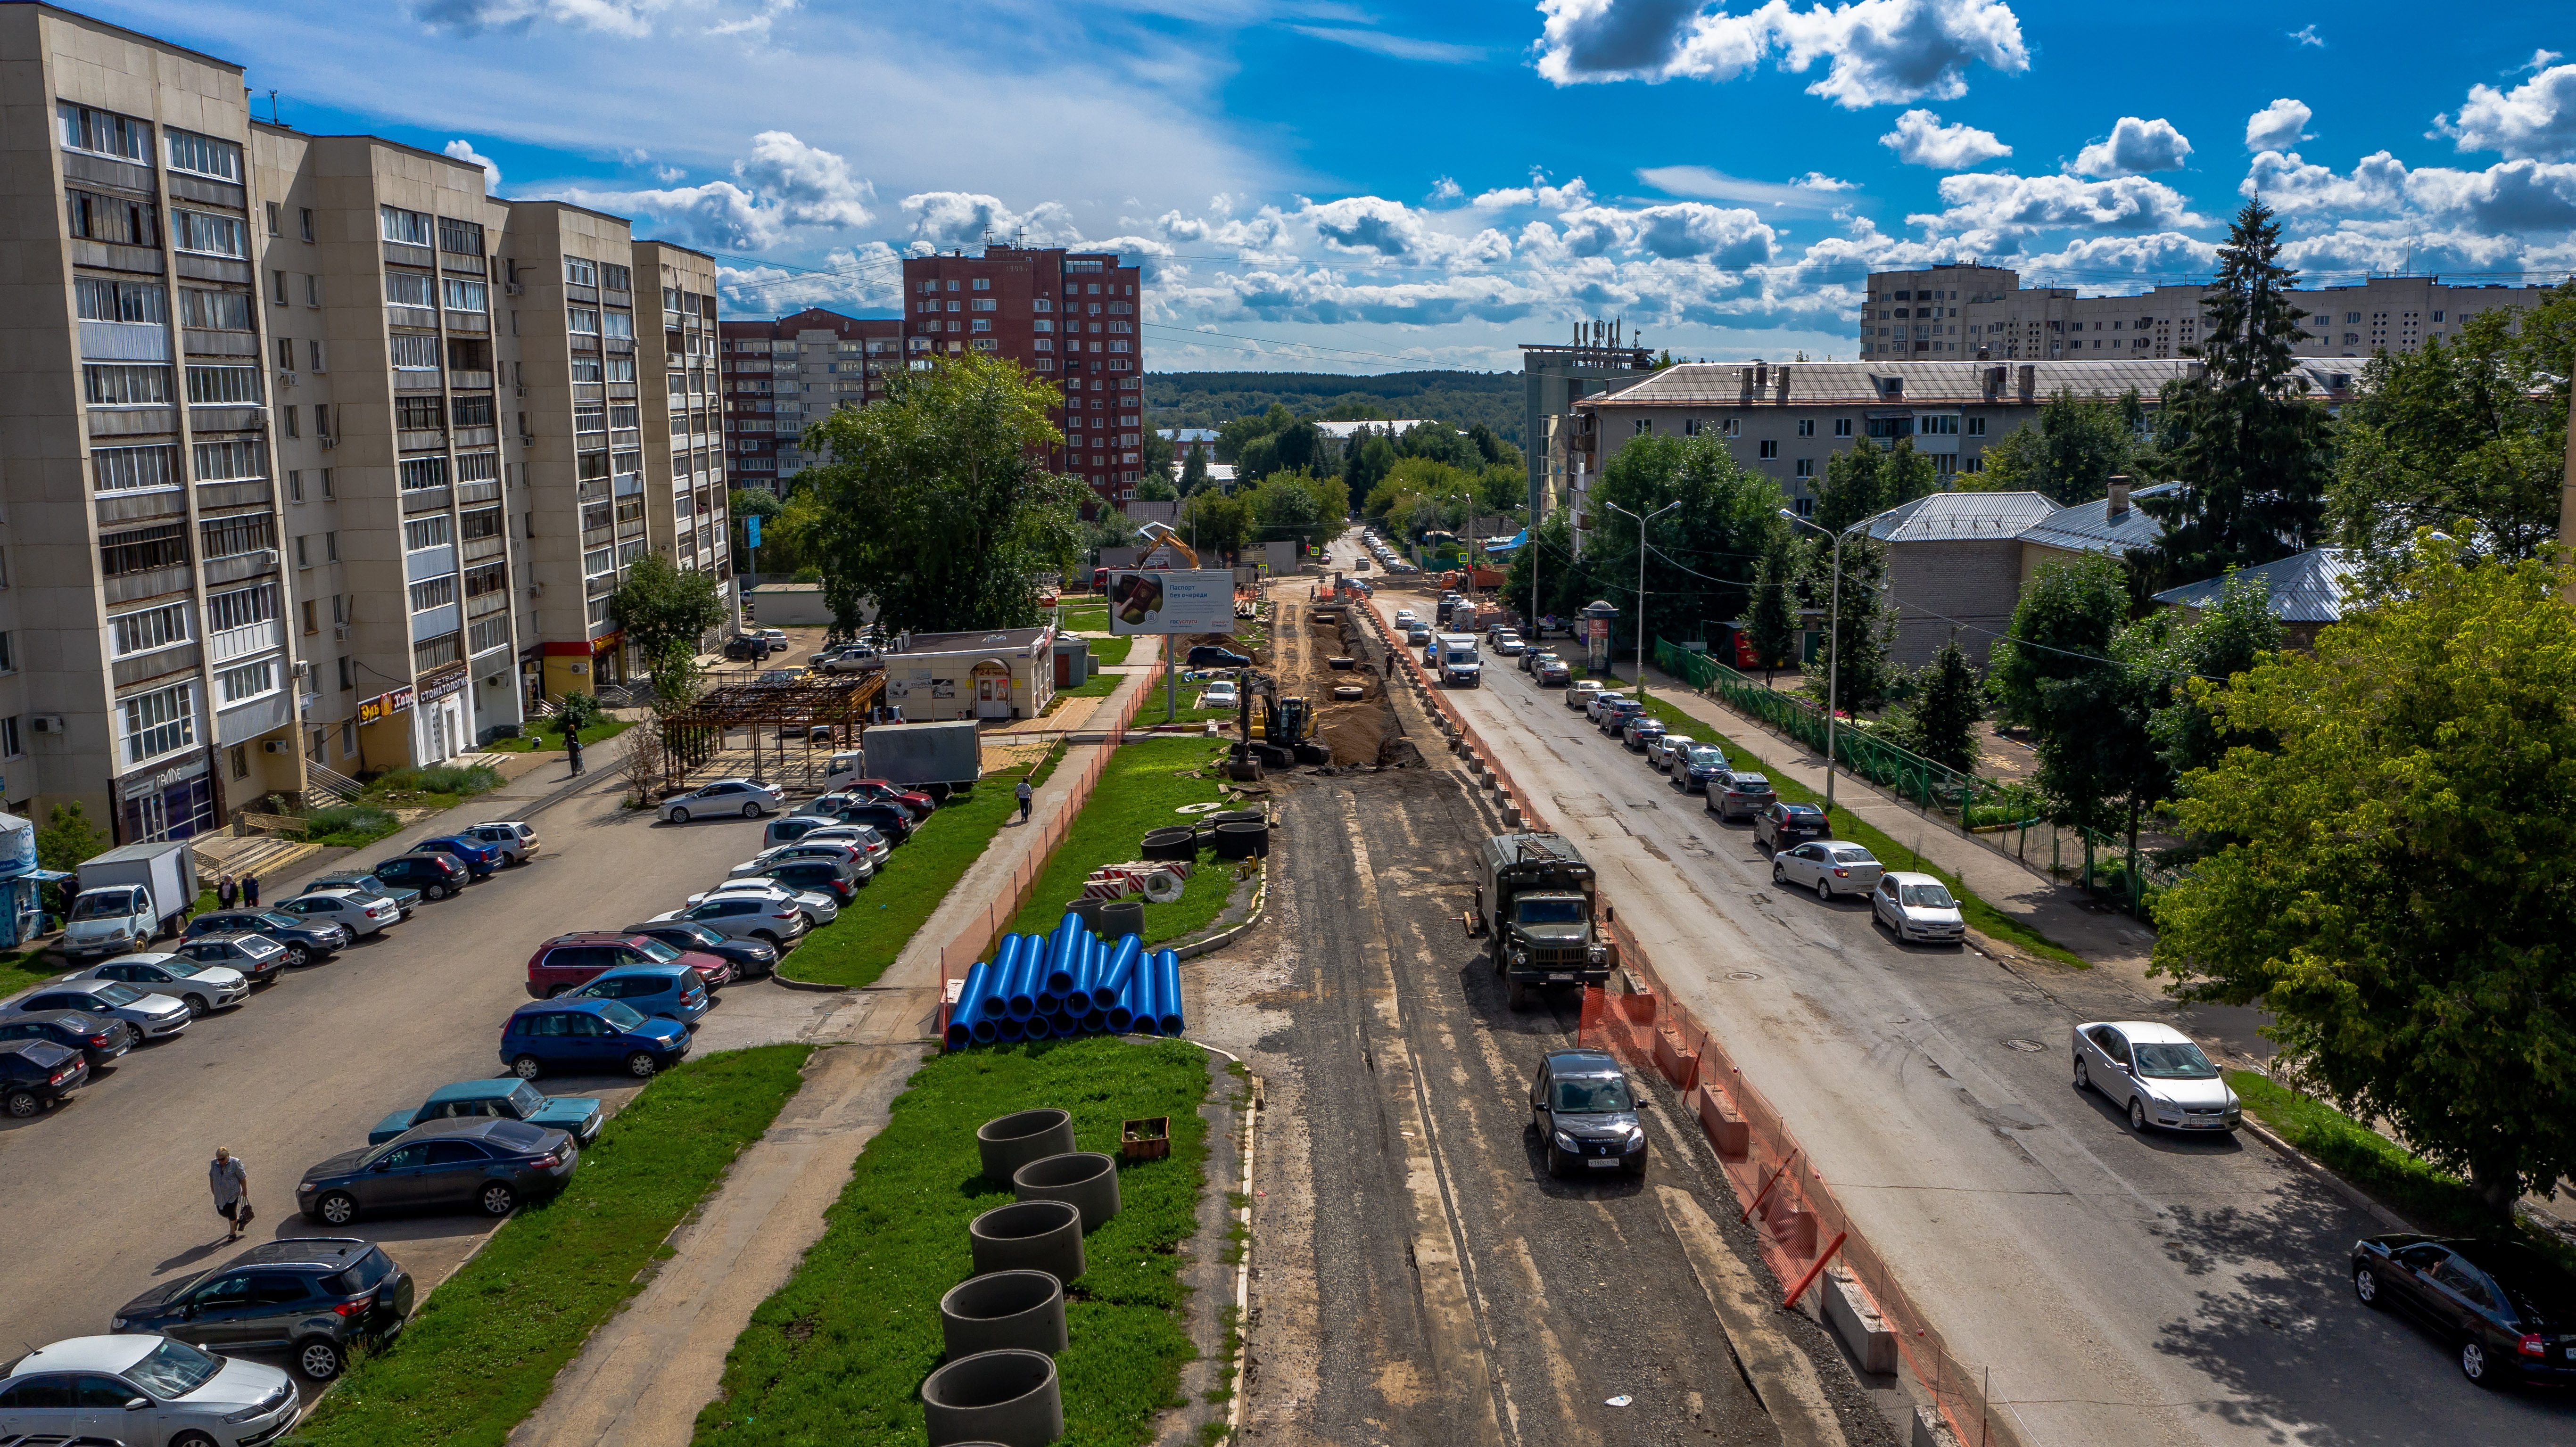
(1304, 635)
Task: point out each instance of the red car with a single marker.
(919, 805)
(575, 959)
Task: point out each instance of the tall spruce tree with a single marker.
(2251, 449)
(1772, 621)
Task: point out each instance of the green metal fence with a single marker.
(2006, 816)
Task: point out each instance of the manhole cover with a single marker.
(1744, 975)
(1200, 808)
(2027, 1047)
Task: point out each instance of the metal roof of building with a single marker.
(1962, 517)
(1924, 384)
(2308, 587)
(2088, 527)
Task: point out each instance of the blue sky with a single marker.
(1316, 184)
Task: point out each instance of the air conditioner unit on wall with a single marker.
(274, 746)
(47, 723)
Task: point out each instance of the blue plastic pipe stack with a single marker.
(1070, 982)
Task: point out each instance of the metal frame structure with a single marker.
(694, 736)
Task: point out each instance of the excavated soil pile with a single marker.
(1304, 636)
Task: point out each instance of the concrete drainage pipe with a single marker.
(1009, 1142)
(1004, 1311)
(1030, 1236)
(1005, 1397)
(1084, 1180)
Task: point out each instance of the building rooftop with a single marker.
(1921, 384)
(2088, 527)
(2308, 587)
(1961, 517)
(1000, 640)
(1343, 431)
(1188, 434)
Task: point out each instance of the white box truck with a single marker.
(130, 896)
(1454, 656)
(936, 758)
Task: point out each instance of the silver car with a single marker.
(819, 909)
(852, 858)
(517, 842)
(1664, 749)
(862, 836)
(1602, 699)
(354, 910)
(1580, 692)
(749, 798)
(2157, 1073)
(1918, 907)
(204, 989)
(142, 1387)
(1827, 866)
(777, 923)
(151, 1015)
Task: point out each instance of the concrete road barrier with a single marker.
(1848, 1311)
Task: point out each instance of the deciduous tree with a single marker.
(2070, 452)
(666, 612)
(1941, 722)
(2086, 684)
(1772, 619)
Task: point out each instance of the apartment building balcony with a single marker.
(133, 421)
(485, 491)
(477, 436)
(227, 644)
(621, 391)
(426, 499)
(149, 583)
(212, 268)
(124, 342)
(478, 549)
(144, 667)
(423, 317)
(201, 342)
(416, 380)
(620, 346)
(258, 563)
(458, 321)
(484, 605)
(423, 439)
(141, 505)
(599, 587)
(575, 291)
(202, 420)
(247, 493)
(464, 381)
(597, 537)
(399, 253)
(111, 256)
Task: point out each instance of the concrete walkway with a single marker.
(642, 1377)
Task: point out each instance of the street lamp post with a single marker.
(1833, 640)
(1641, 585)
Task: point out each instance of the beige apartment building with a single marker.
(314, 455)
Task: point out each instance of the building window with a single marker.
(230, 537)
(478, 467)
(225, 311)
(241, 608)
(207, 157)
(9, 744)
(232, 461)
(414, 351)
(151, 628)
(615, 277)
(306, 213)
(582, 320)
(223, 386)
(490, 633)
(158, 722)
(143, 549)
(434, 593)
(581, 271)
(426, 532)
(113, 218)
(1806, 467)
(238, 685)
(105, 132)
(416, 414)
(411, 228)
(1976, 427)
(420, 472)
(101, 300)
(1770, 447)
(1842, 427)
(465, 296)
(436, 653)
(409, 288)
(460, 238)
(105, 385)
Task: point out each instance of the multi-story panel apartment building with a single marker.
(1065, 315)
(301, 440)
(781, 376)
(1964, 313)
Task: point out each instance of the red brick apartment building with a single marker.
(781, 376)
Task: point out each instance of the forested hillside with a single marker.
(1461, 399)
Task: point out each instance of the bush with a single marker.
(439, 779)
(350, 825)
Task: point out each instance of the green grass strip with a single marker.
(838, 1355)
(483, 1351)
(1981, 916)
(1142, 789)
(26, 969)
(1110, 652)
(873, 928)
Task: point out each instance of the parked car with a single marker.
(71, 1391)
(1918, 907)
(594, 1036)
(490, 1165)
(892, 821)
(1586, 1114)
(1639, 732)
(1579, 693)
(1552, 673)
(404, 899)
(517, 842)
(2508, 1311)
(99, 1039)
(849, 857)
(746, 648)
(256, 958)
(204, 989)
(777, 677)
(1696, 766)
(35, 1075)
(749, 798)
(1530, 658)
(1210, 655)
(2156, 1073)
(1781, 825)
(436, 876)
(1665, 749)
(1418, 636)
(1613, 718)
(1828, 867)
(1404, 618)
(313, 1297)
(305, 940)
(885, 791)
(1601, 699)
(818, 909)
(360, 914)
(856, 658)
(479, 858)
(793, 828)
(1220, 694)
(858, 836)
(576, 959)
(748, 956)
(152, 1015)
(1736, 794)
(777, 639)
(813, 876)
(504, 1097)
(669, 992)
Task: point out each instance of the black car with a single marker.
(1615, 716)
(257, 958)
(1697, 765)
(99, 1039)
(1586, 1114)
(482, 1162)
(1639, 732)
(1209, 655)
(1784, 825)
(476, 858)
(891, 820)
(311, 1296)
(821, 876)
(436, 876)
(305, 940)
(746, 648)
(360, 880)
(2508, 1311)
(750, 957)
(35, 1074)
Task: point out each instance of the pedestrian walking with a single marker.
(572, 746)
(231, 1186)
(1026, 794)
(226, 891)
(250, 891)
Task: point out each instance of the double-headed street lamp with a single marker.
(1641, 585)
(1833, 637)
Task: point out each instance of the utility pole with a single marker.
(1833, 641)
(1641, 584)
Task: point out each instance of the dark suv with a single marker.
(436, 876)
(1615, 716)
(313, 1296)
(893, 821)
(306, 940)
(1586, 1114)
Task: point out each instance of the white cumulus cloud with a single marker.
(782, 185)
(811, 186)
(2536, 120)
(2278, 126)
(463, 150)
(2135, 147)
(1921, 140)
(1876, 52)
(2520, 198)
(1989, 212)
(2307, 35)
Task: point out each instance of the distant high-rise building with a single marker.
(780, 376)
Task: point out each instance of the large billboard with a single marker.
(1187, 601)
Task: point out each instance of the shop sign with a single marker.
(453, 683)
(385, 705)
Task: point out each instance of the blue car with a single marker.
(590, 1037)
(479, 858)
(672, 992)
(502, 1098)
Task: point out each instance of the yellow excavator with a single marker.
(1278, 732)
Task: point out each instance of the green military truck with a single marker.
(1535, 902)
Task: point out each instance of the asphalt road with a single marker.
(110, 1188)
(2124, 1289)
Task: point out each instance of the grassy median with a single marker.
(1142, 789)
(483, 1350)
(838, 1355)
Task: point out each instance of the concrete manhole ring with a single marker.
(1744, 975)
(2027, 1047)
(1200, 808)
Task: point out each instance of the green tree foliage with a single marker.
(1193, 471)
(2393, 891)
(2248, 447)
(1213, 521)
(1461, 399)
(934, 505)
(2225, 640)
(1863, 482)
(1701, 561)
(1418, 495)
(1296, 507)
(2467, 436)
(1503, 487)
(1544, 579)
(1297, 447)
(666, 612)
(1442, 443)
(1772, 622)
(2070, 453)
(1941, 722)
(1157, 453)
(777, 554)
(1496, 452)
(2086, 684)
(1859, 673)
(1156, 487)
(67, 839)
(1366, 461)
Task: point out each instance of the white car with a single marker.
(355, 910)
(516, 841)
(2157, 1073)
(1221, 694)
(1580, 692)
(202, 988)
(139, 1388)
(1827, 866)
(1510, 645)
(858, 836)
(1404, 619)
(1918, 907)
(1663, 749)
(819, 909)
(749, 798)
